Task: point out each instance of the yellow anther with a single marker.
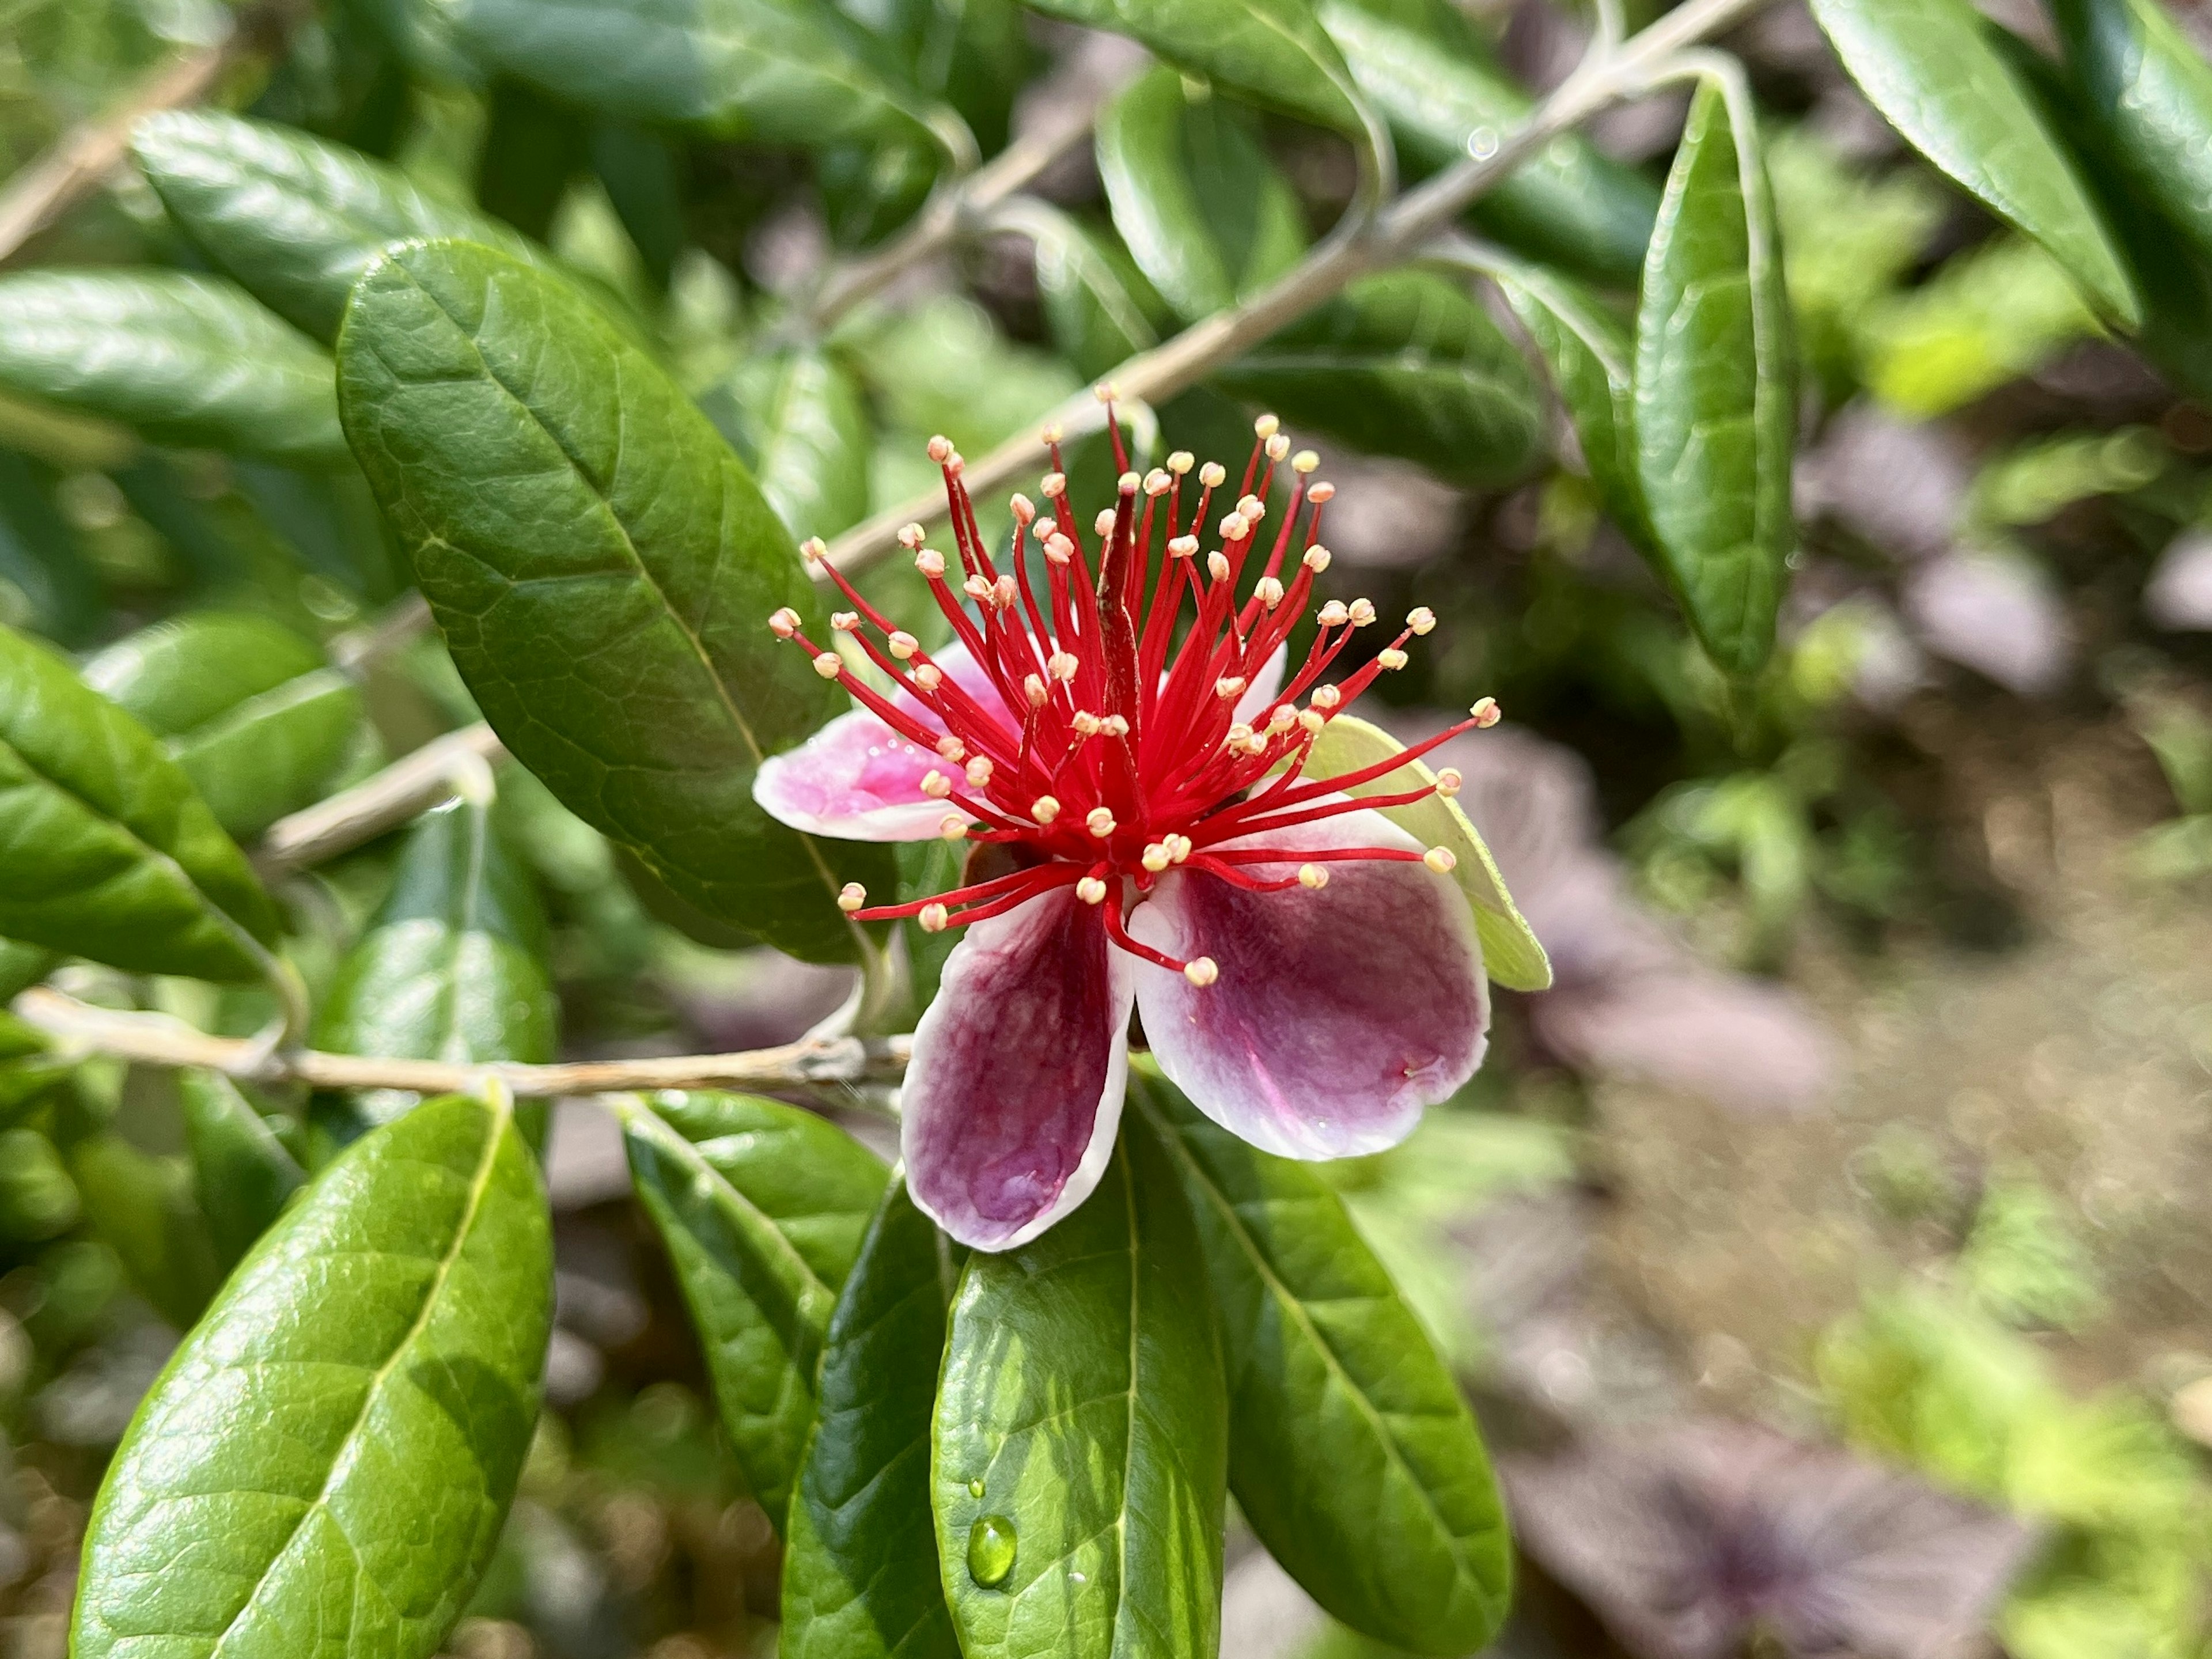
(829, 664)
(1128, 484)
(1252, 509)
(1158, 481)
(1316, 559)
(1216, 565)
(935, 918)
(852, 896)
(1421, 619)
(930, 563)
(1333, 614)
(1229, 685)
(1278, 446)
(935, 784)
(1268, 591)
(1179, 847)
(1442, 859)
(1104, 524)
(1114, 725)
(1281, 718)
(1322, 492)
(1487, 712)
(1266, 426)
(1449, 782)
(845, 621)
(909, 536)
(1326, 697)
(1304, 461)
(951, 748)
(902, 644)
(1155, 858)
(1211, 475)
(977, 587)
(1201, 971)
(1391, 658)
(1099, 821)
(1054, 484)
(1033, 688)
(940, 449)
(929, 677)
(1363, 612)
(1090, 891)
(1051, 432)
(1085, 722)
(1311, 720)
(784, 622)
(1183, 547)
(1182, 462)
(1233, 527)
(978, 772)
(1063, 665)
(952, 827)
(1312, 876)
(813, 549)
(1106, 391)
(1044, 809)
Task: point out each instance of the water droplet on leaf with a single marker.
(990, 1549)
(974, 1488)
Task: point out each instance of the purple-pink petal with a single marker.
(855, 779)
(1338, 1014)
(1014, 1091)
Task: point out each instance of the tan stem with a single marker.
(410, 785)
(1398, 235)
(78, 1028)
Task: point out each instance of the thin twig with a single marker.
(1400, 230)
(956, 208)
(411, 785)
(79, 1028)
(356, 649)
(84, 158)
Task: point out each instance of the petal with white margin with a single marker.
(1339, 1013)
(1014, 1090)
(855, 779)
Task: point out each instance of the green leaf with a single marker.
(1352, 1450)
(604, 571)
(760, 1297)
(1082, 1408)
(761, 70)
(329, 1455)
(2150, 91)
(1091, 307)
(295, 219)
(1406, 364)
(1510, 954)
(22, 966)
(860, 1567)
(1588, 352)
(1427, 71)
(452, 967)
(815, 1183)
(801, 425)
(186, 359)
(1929, 66)
(142, 1207)
(1272, 52)
(1203, 211)
(39, 1200)
(247, 707)
(243, 1177)
(105, 850)
(29, 1071)
(1716, 394)
(39, 556)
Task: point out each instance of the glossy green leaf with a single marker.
(764, 70)
(1427, 72)
(40, 557)
(333, 1450)
(1510, 953)
(1588, 353)
(39, 1200)
(29, 1070)
(1929, 68)
(186, 359)
(814, 1183)
(1204, 212)
(1716, 393)
(1082, 1410)
(1405, 364)
(1094, 315)
(859, 1564)
(292, 218)
(249, 709)
(142, 1207)
(1272, 52)
(799, 421)
(604, 570)
(2150, 91)
(760, 1297)
(105, 850)
(452, 967)
(242, 1175)
(1350, 1450)
(22, 965)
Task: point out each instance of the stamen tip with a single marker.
(935, 918)
(952, 827)
(829, 664)
(784, 622)
(1442, 859)
(1312, 878)
(1268, 426)
(1487, 713)
(852, 896)
(1201, 971)
(1090, 891)
(940, 449)
(813, 549)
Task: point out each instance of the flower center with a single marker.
(1092, 740)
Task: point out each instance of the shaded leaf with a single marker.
(248, 709)
(860, 1578)
(1425, 69)
(142, 1207)
(105, 850)
(1404, 364)
(1095, 316)
(452, 967)
(799, 421)
(1205, 214)
(242, 1175)
(1351, 1451)
(1715, 399)
(40, 558)
(292, 218)
(22, 965)
(29, 1070)
(759, 1298)
(1510, 953)
(186, 359)
(1272, 52)
(753, 70)
(1082, 1392)
(1929, 66)
(385, 1337)
(39, 1200)
(604, 570)
(2150, 91)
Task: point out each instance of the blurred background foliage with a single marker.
(1872, 1102)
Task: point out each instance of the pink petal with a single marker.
(1338, 1014)
(855, 779)
(1014, 1091)
(1260, 695)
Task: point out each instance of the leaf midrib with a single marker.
(478, 1185)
